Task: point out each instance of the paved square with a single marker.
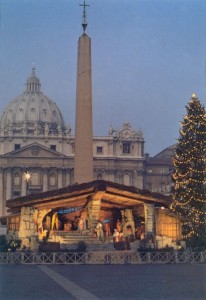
(107, 282)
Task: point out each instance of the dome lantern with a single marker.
(33, 84)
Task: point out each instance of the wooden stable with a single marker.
(77, 209)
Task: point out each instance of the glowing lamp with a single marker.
(27, 176)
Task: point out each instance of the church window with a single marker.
(99, 150)
(55, 116)
(126, 148)
(17, 146)
(16, 179)
(52, 179)
(33, 113)
(53, 147)
(35, 179)
(16, 194)
(99, 176)
(126, 179)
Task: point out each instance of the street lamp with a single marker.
(27, 178)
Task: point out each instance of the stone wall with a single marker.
(12, 235)
(28, 228)
(93, 212)
(149, 218)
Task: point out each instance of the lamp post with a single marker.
(27, 178)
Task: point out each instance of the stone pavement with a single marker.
(106, 282)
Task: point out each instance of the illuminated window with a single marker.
(14, 223)
(168, 226)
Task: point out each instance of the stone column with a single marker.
(45, 180)
(8, 184)
(2, 203)
(68, 179)
(149, 211)
(93, 210)
(60, 179)
(23, 184)
(83, 159)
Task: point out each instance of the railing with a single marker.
(102, 257)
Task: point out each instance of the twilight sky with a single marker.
(148, 57)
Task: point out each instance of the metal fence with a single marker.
(102, 257)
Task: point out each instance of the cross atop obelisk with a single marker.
(84, 18)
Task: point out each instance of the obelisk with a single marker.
(83, 156)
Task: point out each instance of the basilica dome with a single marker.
(32, 112)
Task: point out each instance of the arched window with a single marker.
(99, 176)
(126, 179)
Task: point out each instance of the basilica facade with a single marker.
(34, 139)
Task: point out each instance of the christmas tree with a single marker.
(189, 196)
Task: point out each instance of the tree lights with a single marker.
(189, 197)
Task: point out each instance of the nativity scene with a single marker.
(96, 213)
